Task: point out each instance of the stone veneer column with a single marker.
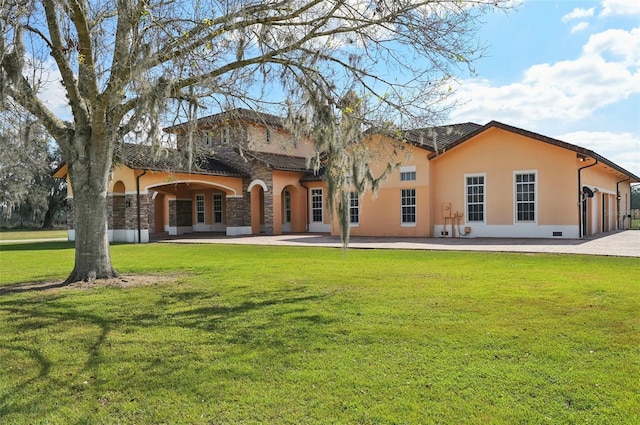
(235, 212)
(116, 212)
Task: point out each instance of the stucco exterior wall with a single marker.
(290, 181)
(609, 208)
(280, 141)
(380, 213)
(497, 155)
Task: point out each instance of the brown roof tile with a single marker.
(238, 114)
(164, 159)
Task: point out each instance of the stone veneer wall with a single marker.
(119, 215)
(238, 211)
(131, 212)
(116, 212)
(180, 212)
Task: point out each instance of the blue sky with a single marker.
(568, 69)
(565, 69)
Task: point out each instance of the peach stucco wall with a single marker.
(380, 213)
(281, 141)
(498, 154)
(290, 181)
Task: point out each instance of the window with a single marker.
(408, 202)
(407, 175)
(287, 206)
(316, 205)
(475, 198)
(525, 196)
(268, 136)
(217, 208)
(224, 135)
(199, 208)
(209, 137)
(354, 208)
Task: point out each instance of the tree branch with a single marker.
(78, 106)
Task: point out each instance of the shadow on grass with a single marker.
(31, 287)
(45, 327)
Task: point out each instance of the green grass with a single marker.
(13, 235)
(314, 336)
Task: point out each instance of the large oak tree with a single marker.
(123, 64)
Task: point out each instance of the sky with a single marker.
(567, 69)
(564, 69)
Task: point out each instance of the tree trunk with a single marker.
(47, 223)
(89, 180)
(93, 258)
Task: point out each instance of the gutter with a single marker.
(581, 216)
(138, 205)
(618, 201)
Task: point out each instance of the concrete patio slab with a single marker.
(621, 244)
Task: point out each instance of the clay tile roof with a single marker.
(439, 138)
(238, 114)
(164, 159)
(279, 161)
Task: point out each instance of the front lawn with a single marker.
(282, 335)
(17, 234)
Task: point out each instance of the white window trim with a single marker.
(224, 135)
(415, 206)
(466, 201)
(287, 209)
(535, 201)
(356, 224)
(213, 206)
(204, 209)
(408, 169)
(311, 220)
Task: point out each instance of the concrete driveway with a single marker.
(622, 244)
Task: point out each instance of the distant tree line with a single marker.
(29, 196)
(635, 197)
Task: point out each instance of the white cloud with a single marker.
(620, 7)
(46, 77)
(620, 43)
(566, 92)
(578, 13)
(607, 72)
(579, 27)
(621, 148)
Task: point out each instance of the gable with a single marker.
(580, 152)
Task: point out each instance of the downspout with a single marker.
(581, 217)
(138, 205)
(618, 202)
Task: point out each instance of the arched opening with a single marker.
(257, 210)
(160, 213)
(190, 206)
(291, 212)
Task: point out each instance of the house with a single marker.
(246, 174)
